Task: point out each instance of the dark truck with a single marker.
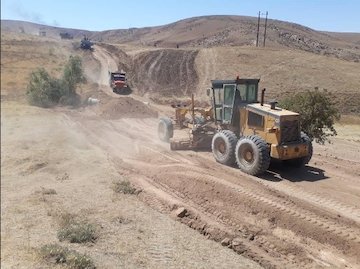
(118, 82)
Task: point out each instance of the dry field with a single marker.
(65, 162)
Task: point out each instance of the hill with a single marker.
(213, 31)
(163, 73)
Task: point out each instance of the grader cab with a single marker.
(240, 129)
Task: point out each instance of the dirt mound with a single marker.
(123, 60)
(126, 107)
(168, 72)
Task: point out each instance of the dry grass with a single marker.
(46, 191)
(282, 72)
(123, 186)
(22, 54)
(74, 230)
(56, 254)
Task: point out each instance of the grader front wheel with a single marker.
(223, 147)
(165, 129)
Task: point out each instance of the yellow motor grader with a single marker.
(238, 128)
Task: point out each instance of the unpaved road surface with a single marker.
(287, 218)
(308, 218)
(302, 218)
(51, 165)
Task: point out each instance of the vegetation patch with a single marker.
(46, 91)
(46, 191)
(318, 113)
(77, 232)
(56, 254)
(123, 186)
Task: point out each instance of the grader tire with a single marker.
(252, 155)
(165, 129)
(223, 147)
(301, 162)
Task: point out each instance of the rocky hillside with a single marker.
(214, 31)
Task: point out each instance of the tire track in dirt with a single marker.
(297, 191)
(265, 253)
(287, 208)
(223, 202)
(166, 72)
(284, 206)
(107, 63)
(343, 168)
(332, 205)
(206, 62)
(154, 62)
(262, 201)
(281, 205)
(177, 198)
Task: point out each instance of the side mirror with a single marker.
(208, 91)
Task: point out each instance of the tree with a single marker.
(43, 90)
(318, 113)
(73, 75)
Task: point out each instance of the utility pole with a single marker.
(257, 33)
(265, 28)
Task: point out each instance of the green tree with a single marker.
(318, 113)
(43, 90)
(73, 75)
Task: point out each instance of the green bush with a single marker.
(43, 90)
(73, 75)
(54, 253)
(46, 91)
(57, 254)
(318, 113)
(77, 232)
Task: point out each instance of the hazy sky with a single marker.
(329, 15)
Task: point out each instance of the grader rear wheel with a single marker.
(252, 155)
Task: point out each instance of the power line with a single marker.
(258, 28)
(265, 28)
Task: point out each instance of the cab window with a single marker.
(251, 93)
(242, 89)
(229, 94)
(218, 96)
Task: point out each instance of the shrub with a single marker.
(43, 90)
(77, 232)
(73, 75)
(57, 254)
(46, 91)
(54, 253)
(123, 186)
(318, 113)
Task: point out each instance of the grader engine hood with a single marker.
(276, 113)
(287, 122)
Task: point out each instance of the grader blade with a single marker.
(180, 144)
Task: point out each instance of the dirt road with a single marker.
(287, 218)
(307, 218)
(304, 218)
(50, 166)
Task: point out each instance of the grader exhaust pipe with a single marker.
(262, 96)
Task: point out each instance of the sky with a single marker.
(98, 15)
